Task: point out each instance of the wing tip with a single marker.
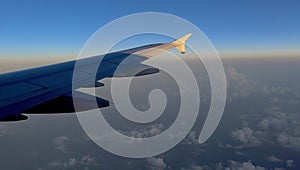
(179, 44)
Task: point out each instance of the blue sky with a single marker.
(60, 28)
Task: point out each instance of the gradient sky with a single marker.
(39, 28)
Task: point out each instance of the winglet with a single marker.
(179, 44)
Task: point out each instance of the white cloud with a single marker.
(191, 138)
(221, 145)
(196, 167)
(235, 165)
(156, 163)
(247, 136)
(61, 143)
(240, 153)
(288, 141)
(230, 165)
(238, 84)
(289, 163)
(152, 130)
(277, 168)
(277, 90)
(276, 121)
(73, 163)
(277, 128)
(273, 159)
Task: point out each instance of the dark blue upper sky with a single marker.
(60, 28)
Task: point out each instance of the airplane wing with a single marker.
(37, 90)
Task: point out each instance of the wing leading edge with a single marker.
(37, 89)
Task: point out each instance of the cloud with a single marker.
(61, 143)
(240, 153)
(275, 121)
(221, 145)
(230, 165)
(289, 163)
(196, 167)
(247, 136)
(83, 163)
(191, 138)
(277, 128)
(156, 163)
(273, 159)
(280, 95)
(152, 130)
(235, 165)
(280, 91)
(277, 168)
(288, 141)
(238, 84)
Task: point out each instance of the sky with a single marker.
(39, 29)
